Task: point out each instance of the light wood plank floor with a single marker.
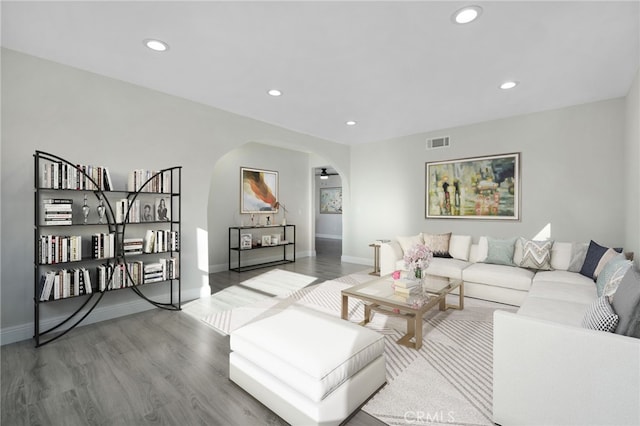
(155, 367)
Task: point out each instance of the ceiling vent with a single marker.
(442, 142)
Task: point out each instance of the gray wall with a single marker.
(91, 119)
(632, 169)
(571, 171)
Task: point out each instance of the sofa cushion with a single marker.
(560, 311)
(565, 277)
(460, 246)
(600, 316)
(626, 303)
(609, 269)
(498, 275)
(451, 268)
(438, 243)
(536, 254)
(561, 256)
(580, 292)
(407, 242)
(500, 252)
(597, 257)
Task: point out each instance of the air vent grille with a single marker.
(441, 142)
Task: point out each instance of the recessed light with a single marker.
(351, 123)
(466, 15)
(508, 85)
(274, 92)
(157, 45)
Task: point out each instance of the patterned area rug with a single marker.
(448, 381)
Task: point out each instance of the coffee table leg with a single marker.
(418, 331)
(345, 307)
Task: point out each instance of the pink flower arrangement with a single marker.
(418, 257)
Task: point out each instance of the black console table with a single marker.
(240, 245)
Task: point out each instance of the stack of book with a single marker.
(153, 272)
(57, 211)
(170, 268)
(405, 288)
(132, 246)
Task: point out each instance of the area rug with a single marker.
(448, 381)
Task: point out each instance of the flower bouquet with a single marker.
(417, 258)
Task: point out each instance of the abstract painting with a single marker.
(259, 190)
(331, 200)
(474, 188)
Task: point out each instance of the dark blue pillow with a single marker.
(597, 257)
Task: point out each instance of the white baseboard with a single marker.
(357, 260)
(21, 332)
(329, 236)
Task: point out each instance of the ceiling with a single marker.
(397, 68)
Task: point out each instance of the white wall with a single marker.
(571, 171)
(327, 225)
(224, 200)
(92, 119)
(632, 168)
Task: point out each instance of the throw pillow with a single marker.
(500, 252)
(578, 254)
(597, 257)
(407, 242)
(612, 285)
(626, 303)
(536, 254)
(600, 316)
(607, 272)
(459, 246)
(438, 243)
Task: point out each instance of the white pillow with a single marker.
(459, 246)
(561, 256)
(483, 250)
(407, 242)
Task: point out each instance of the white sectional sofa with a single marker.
(548, 368)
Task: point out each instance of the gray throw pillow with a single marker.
(578, 254)
(626, 304)
(501, 251)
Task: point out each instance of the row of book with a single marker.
(58, 211)
(59, 248)
(56, 285)
(103, 245)
(113, 277)
(158, 241)
(149, 181)
(58, 175)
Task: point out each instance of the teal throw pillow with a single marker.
(501, 251)
(607, 272)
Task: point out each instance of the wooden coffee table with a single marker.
(378, 296)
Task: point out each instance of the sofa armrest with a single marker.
(554, 374)
(390, 254)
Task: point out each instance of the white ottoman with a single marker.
(309, 368)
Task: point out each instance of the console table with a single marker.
(284, 254)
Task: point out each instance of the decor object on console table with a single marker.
(474, 188)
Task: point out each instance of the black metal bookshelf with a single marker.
(79, 182)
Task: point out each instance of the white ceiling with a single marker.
(397, 68)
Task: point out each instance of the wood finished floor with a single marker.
(152, 368)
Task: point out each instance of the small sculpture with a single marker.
(85, 209)
(101, 211)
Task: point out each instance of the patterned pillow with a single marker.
(536, 254)
(438, 243)
(611, 286)
(600, 316)
(607, 273)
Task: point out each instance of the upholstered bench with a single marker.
(308, 367)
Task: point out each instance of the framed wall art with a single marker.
(474, 188)
(258, 190)
(331, 200)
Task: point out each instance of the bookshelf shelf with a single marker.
(85, 257)
(237, 249)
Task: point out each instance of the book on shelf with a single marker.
(59, 248)
(103, 245)
(65, 283)
(125, 207)
(59, 175)
(159, 241)
(149, 181)
(132, 245)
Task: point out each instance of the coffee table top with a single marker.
(381, 291)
